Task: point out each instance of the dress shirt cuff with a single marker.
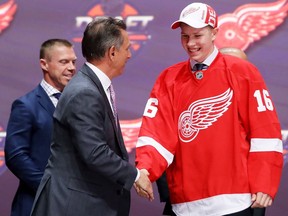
(138, 175)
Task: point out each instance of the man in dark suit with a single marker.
(27, 146)
(88, 172)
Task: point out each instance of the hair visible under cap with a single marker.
(46, 45)
(100, 35)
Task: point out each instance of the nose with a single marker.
(129, 54)
(71, 66)
(191, 42)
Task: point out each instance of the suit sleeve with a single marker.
(89, 125)
(17, 146)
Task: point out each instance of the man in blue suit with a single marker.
(29, 129)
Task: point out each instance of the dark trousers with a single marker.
(258, 211)
(245, 212)
(168, 209)
(250, 212)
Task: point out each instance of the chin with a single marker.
(68, 79)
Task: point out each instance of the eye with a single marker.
(63, 62)
(184, 36)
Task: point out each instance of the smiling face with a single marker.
(198, 42)
(59, 65)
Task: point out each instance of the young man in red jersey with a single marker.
(211, 124)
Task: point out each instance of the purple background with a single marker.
(36, 21)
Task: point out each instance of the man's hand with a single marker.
(143, 186)
(261, 200)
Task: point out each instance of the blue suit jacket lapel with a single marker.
(45, 101)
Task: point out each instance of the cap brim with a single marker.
(176, 24)
(194, 24)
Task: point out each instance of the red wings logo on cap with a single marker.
(7, 11)
(189, 11)
(250, 23)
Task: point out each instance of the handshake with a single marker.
(143, 186)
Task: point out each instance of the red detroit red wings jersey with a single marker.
(219, 136)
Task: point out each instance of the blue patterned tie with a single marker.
(57, 95)
(199, 66)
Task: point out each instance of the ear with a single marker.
(112, 52)
(214, 33)
(43, 64)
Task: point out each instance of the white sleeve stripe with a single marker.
(145, 141)
(266, 145)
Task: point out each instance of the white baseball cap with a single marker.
(197, 15)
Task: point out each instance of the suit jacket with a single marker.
(88, 172)
(27, 146)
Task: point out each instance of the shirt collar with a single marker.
(104, 79)
(49, 89)
(208, 61)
